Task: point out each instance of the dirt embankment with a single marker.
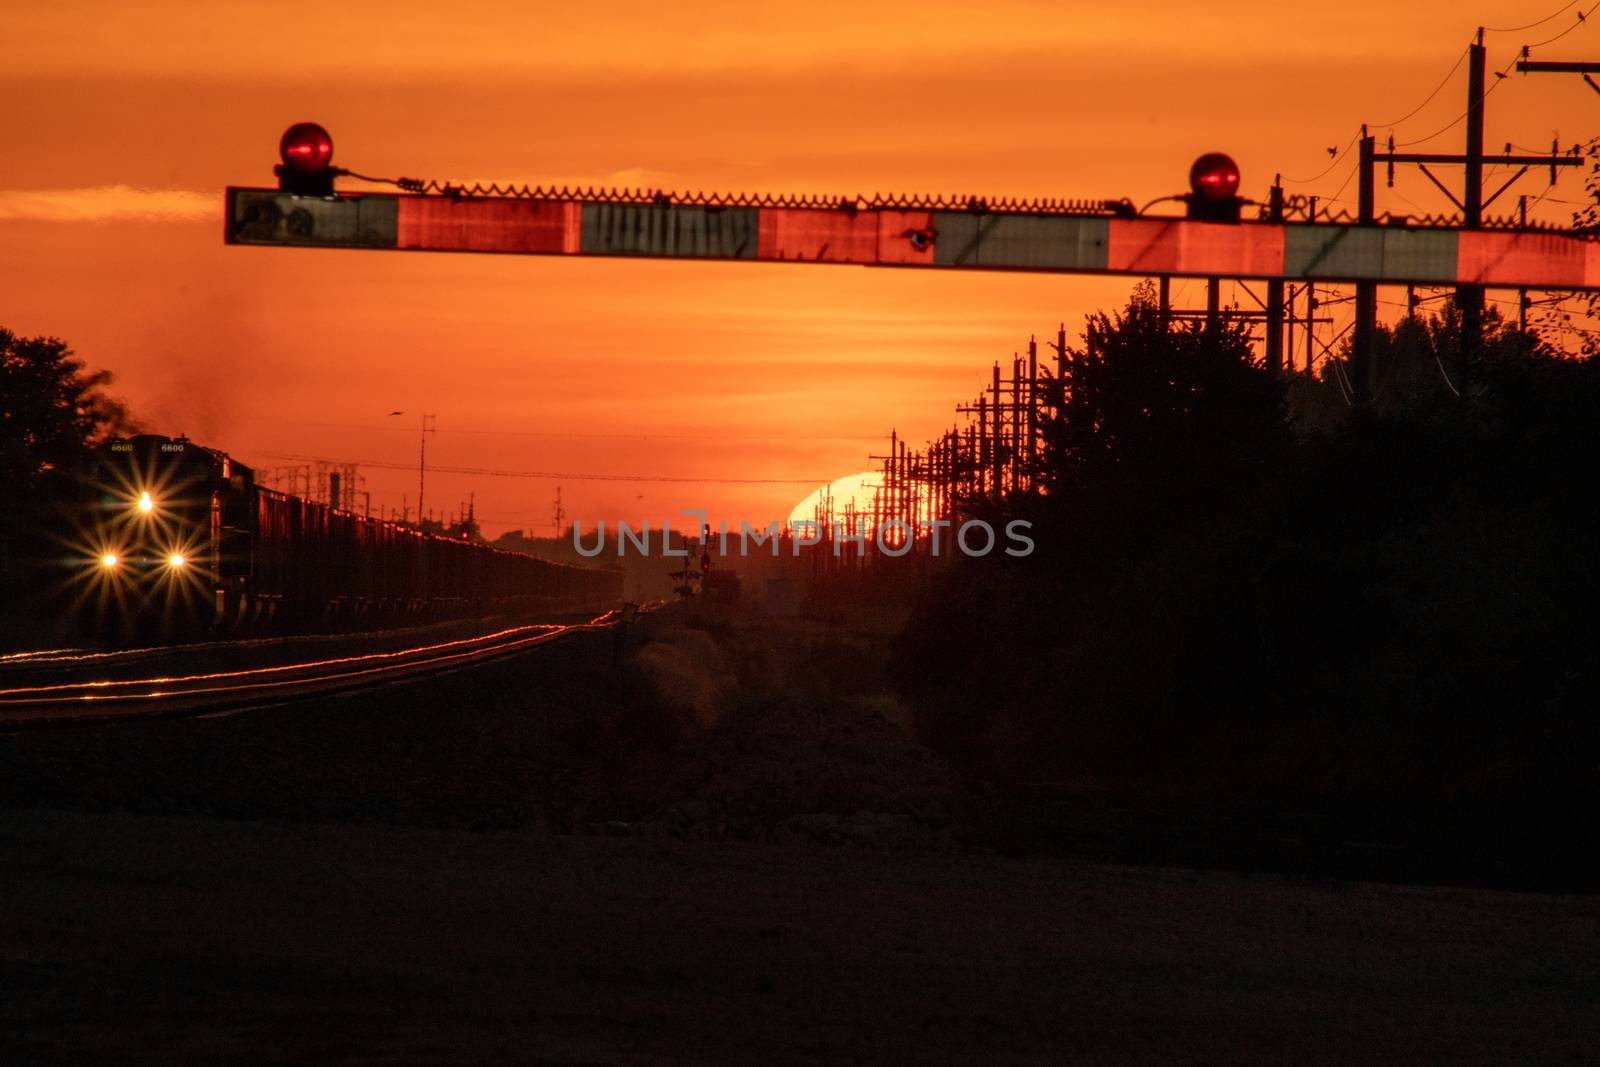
(747, 729)
(781, 730)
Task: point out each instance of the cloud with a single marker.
(107, 203)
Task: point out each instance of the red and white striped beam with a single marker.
(875, 236)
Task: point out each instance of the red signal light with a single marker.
(1214, 189)
(306, 147)
(1214, 176)
(307, 168)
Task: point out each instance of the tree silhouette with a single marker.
(1160, 431)
(52, 411)
(1158, 423)
(1381, 610)
(1414, 365)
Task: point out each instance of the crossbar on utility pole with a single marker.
(1529, 66)
(1507, 159)
(1546, 66)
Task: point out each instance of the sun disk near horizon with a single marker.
(856, 487)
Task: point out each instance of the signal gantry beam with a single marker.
(972, 237)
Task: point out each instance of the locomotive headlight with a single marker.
(146, 504)
(109, 561)
(176, 560)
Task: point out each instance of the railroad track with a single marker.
(26, 703)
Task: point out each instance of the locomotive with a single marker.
(177, 538)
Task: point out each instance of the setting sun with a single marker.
(841, 492)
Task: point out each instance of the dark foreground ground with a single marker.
(139, 939)
(725, 850)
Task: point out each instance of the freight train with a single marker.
(173, 538)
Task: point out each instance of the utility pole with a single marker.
(907, 501)
(1311, 323)
(1469, 298)
(1288, 333)
(986, 448)
(998, 436)
(1016, 423)
(1366, 326)
(560, 514)
(422, 462)
(894, 474)
(1522, 294)
(1033, 408)
(1275, 290)
(1533, 66)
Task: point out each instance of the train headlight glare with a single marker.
(108, 561)
(145, 503)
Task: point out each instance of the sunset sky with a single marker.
(122, 124)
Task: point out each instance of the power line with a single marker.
(1582, 17)
(1344, 184)
(575, 434)
(1420, 210)
(1531, 25)
(1335, 162)
(1429, 98)
(1443, 129)
(1499, 80)
(488, 472)
(1442, 83)
(1408, 115)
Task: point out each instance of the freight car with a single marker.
(174, 537)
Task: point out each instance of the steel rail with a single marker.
(101, 700)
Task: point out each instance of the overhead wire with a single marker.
(1500, 79)
(1428, 99)
(489, 472)
(1531, 25)
(1583, 17)
(1344, 184)
(575, 434)
(1458, 119)
(1334, 163)
(1460, 58)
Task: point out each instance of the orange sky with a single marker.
(123, 122)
